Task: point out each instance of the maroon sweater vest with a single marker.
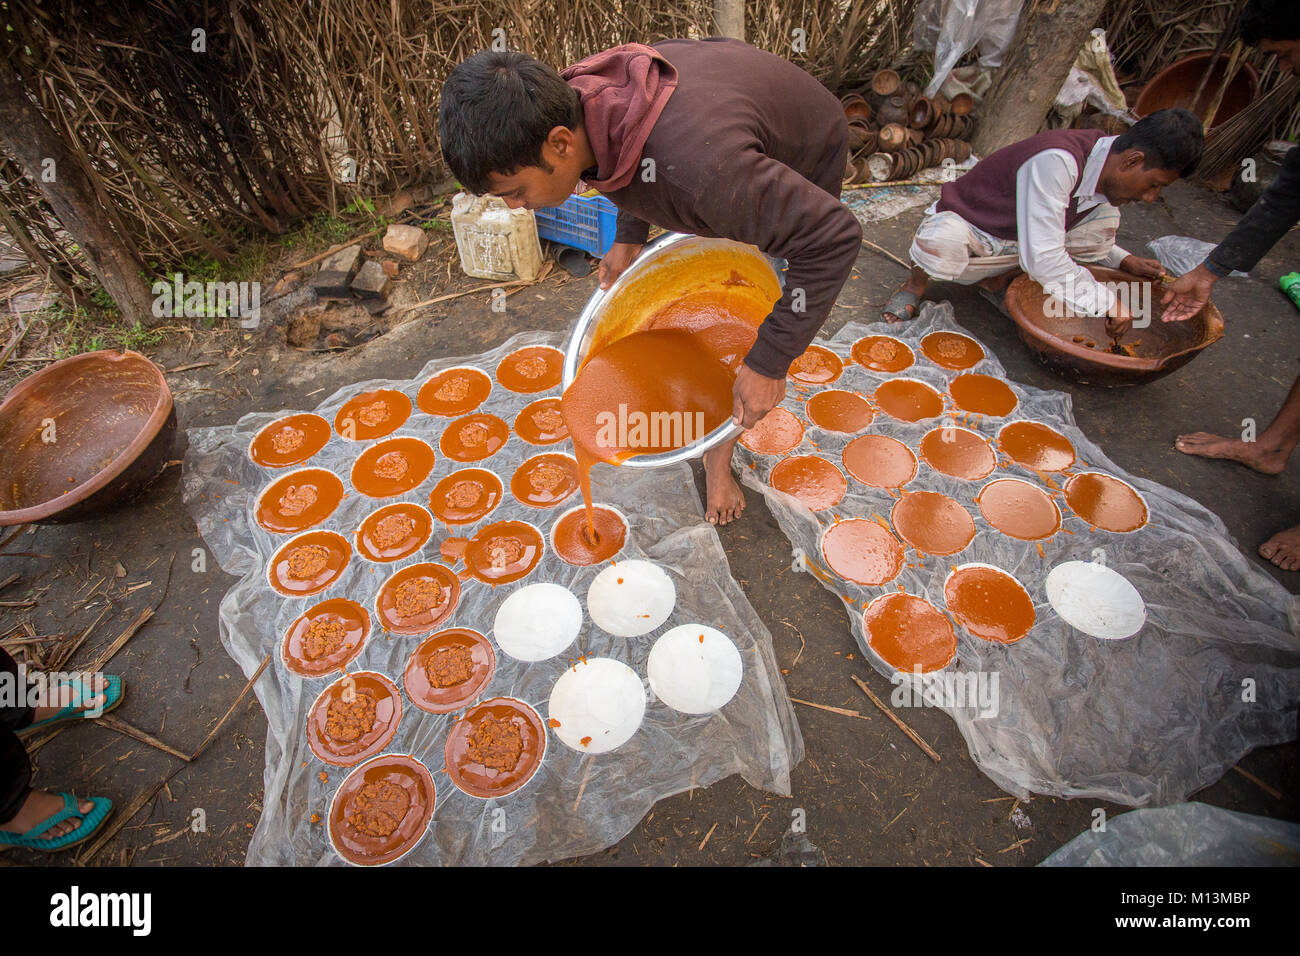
(986, 196)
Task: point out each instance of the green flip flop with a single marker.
(90, 822)
(74, 711)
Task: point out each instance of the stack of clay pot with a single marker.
(894, 131)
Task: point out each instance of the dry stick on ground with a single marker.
(916, 738)
(705, 841)
(842, 711)
(546, 271)
(756, 826)
(139, 622)
(802, 643)
(886, 253)
(582, 788)
(892, 182)
(188, 368)
(1271, 791)
(139, 803)
(11, 535)
(9, 580)
(65, 653)
(122, 727)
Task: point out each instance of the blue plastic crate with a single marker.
(583, 223)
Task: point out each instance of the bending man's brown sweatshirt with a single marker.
(746, 146)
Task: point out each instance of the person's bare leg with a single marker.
(724, 499)
(917, 282)
(1268, 453)
(41, 805)
(1283, 549)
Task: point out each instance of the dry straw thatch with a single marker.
(190, 152)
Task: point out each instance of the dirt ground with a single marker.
(865, 792)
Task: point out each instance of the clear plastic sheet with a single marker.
(1181, 254)
(576, 804)
(1147, 720)
(1186, 834)
(951, 28)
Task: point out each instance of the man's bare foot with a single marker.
(905, 302)
(725, 501)
(1252, 454)
(41, 805)
(65, 694)
(1283, 549)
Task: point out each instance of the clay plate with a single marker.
(444, 700)
(388, 714)
(479, 781)
(402, 770)
(354, 618)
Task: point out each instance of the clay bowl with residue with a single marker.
(82, 435)
(1158, 349)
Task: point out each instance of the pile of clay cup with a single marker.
(895, 131)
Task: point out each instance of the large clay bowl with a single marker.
(1164, 346)
(1176, 84)
(81, 435)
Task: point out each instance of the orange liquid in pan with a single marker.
(879, 461)
(861, 551)
(839, 411)
(544, 481)
(289, 441)
(1019, 509)
(457, 391)
(958, 452)
(909, 633)
(982, 394)
(465, 496)
(817, 366)
(541, 423)
(951, 350)
(932, 523)
(392, 467)
(575, 546)
(1036, 447)
(372, 414)
(989, 603)
(474, 437)
(813, 480)
(299, 500)
(882, 353)
(908, 400)
(776, 433)
(503, 551)
(659, 372)
(533, 369)
(1105, 502)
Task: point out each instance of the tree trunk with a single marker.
(27, 135)
(729, 18)
(1048, 37)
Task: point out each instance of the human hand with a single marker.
(1118, 321)
(1188, 294)
(754, 396)
(1138, 266)
(615, 261)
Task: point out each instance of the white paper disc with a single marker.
(1096, 599)
(631, 598)
(537, 621)
(694, 669)
(600, 702)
